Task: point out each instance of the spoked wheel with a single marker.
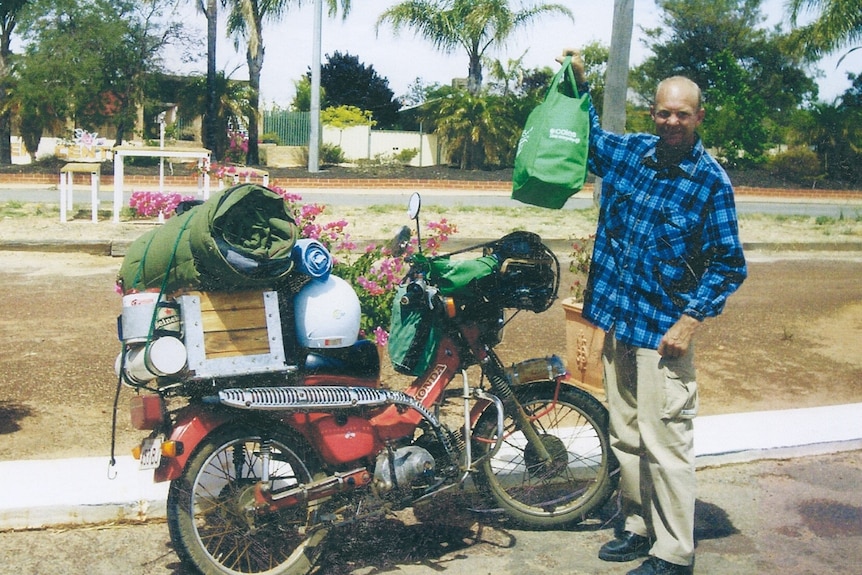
(211, 516)
(578, 476)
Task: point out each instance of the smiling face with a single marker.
(677, 112)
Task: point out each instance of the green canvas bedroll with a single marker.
(241, 238)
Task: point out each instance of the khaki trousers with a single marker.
(652, 401)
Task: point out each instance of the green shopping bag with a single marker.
(551, 160)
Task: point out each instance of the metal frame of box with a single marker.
(202, 367)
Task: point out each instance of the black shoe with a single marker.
(627, 547)
(656, 566)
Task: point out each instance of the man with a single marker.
(667, 255)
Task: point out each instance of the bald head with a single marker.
(677, 112)
(682, 86)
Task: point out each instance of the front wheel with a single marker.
(211, 516)
(581, 473)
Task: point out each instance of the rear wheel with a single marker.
(211, 516)
(578, 478)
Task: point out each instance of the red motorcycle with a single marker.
(264, 463)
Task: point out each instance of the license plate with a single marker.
(151, 453)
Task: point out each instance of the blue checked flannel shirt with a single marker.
(667, 242)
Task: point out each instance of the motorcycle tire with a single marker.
(211, 525)
(582, 473)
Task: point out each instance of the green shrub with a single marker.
(795, 164)
(270, 138)
(345, 117)
(406, 155)
(402, 158)
(142, 161)
(331, 154)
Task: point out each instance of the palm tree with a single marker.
(510, 75)
(472, 25)
(477, 131)
(9, 11)
(829, 134)
(245, 21)
(231, 100)
(209, 8)
(838, 25)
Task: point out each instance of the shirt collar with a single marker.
(685, 168)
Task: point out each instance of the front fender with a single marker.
(193, 424)
(550, 368)
(536, 370)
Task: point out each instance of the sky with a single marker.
(404, 58)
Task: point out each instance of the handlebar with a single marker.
(516, 271)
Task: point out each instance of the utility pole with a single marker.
(314, 135)
(617, 80)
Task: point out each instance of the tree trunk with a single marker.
(211, 115)
(255, 64)
(121, 134)
(616, 84)
(6, 115)
(474, 75)
(5, 134)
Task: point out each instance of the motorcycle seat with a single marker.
(360, 360)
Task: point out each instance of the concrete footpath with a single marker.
(37, 494)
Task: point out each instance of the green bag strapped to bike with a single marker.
(414, 333)
(551, 160)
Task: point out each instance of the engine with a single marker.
(410, 466)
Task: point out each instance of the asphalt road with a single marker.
(367, 197)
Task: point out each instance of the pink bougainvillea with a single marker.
(151, 204)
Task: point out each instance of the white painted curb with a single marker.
(61, 491)
(740, 437)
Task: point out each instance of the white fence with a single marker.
(363, 143)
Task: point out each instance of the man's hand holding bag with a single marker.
(551, 160)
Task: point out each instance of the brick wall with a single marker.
(190, 181)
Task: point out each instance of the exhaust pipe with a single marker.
(316, 398)
(310, 492)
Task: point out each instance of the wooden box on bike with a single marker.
(233, 333)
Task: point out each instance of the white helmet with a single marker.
(327, 314)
